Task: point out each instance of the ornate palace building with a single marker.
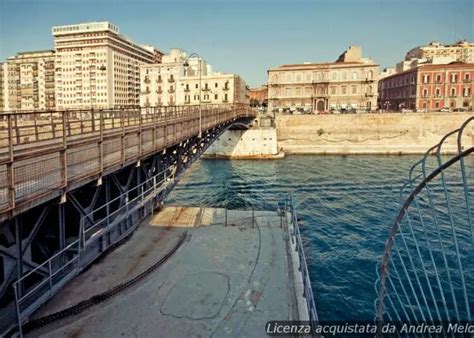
(348, 84)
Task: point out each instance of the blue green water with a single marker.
(345, 204)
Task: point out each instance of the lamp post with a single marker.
(186, 64)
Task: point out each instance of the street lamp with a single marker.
(186, 64)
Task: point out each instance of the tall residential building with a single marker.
(350, 83)
(429, 88)
(96, 66)
(29, 83)
(177, 79)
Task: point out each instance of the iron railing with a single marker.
(296, 240)
(426, 273)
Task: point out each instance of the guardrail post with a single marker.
(225, 213)
(63, 158)
(10, 170)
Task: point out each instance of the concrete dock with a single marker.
(223, 281)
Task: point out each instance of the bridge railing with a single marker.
(426, 273)
(45, 154)
(296, 240)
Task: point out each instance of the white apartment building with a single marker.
(96, 66)
(177, 81)
(462, 51)
(436, 53)
(28, 82)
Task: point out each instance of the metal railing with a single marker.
(42, 282)
(427, 268)
(296, 239)
(45, 154)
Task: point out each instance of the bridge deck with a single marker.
(223, 280)
(46, 154)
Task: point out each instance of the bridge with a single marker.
(75, 183)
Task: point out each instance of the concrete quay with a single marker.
(223, 281)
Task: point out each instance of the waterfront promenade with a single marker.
(223, 281)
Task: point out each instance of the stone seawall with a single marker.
(258, 143)
(411, 133)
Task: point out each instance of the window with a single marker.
(344, 89)
(215, 85)
(438, 92)
(438, 78)
(426, 78)
(197, 86)
(333, 90)
(453, 92)
(355, 76)
(216, 96)
(454, 78)
(467, 92)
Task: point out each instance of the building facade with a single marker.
(180, 80)
(2, 86)
(462, 51)
(258, 96)
(350, 83)
(429, 88)
(96, 66)
(29, 81)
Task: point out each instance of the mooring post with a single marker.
(253, 217)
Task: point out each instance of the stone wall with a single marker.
(411, 133)
(252, 143)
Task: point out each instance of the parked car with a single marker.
(445, 110)
(407, 110)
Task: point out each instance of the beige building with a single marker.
(177, 81)
(96, 66)
(462, 51)
(216, 88)
(29, 81)
(348, 84)
(2, 91)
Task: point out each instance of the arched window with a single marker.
(370, 74)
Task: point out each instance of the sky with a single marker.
(248, 37)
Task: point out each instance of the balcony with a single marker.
(147, 80)
(369, 94)
(225, 88)
(145, 92)
(466, 80)
(187, 90)
(206, 89)
(171, 90)
(159, 80)
(171, 80)
(159, 91)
